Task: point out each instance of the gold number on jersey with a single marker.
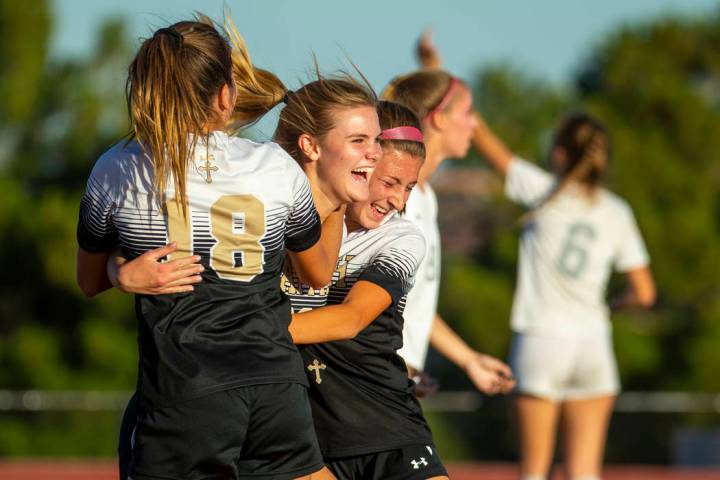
(237, 224)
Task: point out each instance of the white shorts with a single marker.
(560, 368)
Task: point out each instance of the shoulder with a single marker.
(120, 162)
(615, 202)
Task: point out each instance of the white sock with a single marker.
(533, 477)
(586, 477)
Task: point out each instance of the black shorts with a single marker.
(412, 462)
(259, 432)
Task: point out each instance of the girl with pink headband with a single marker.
(444, 103)
(367, 417)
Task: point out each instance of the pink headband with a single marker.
(454, 82)
(402, 133)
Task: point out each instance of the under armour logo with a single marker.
(316, 367)
(416, 465)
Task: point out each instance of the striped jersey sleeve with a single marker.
(394, 267)
(303, 225)
(96, 231)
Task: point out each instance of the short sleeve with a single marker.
(303, 225)
(526, 183)
(395, 266)
(96, 232)
(631, 251)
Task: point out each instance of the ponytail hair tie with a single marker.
(286, 98)
(410, 134)
(173, 33)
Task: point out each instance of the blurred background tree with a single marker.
(656, 86)
(58, 116)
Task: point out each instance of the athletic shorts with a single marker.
(564, 368)
(412, 462)
(258, 432)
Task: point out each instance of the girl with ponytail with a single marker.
(221, 387)
(575, 232)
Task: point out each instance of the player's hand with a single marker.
(425, 385)
(426, 51)
(489, 375)
(146, 275)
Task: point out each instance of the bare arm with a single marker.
(316, 265)
(491, 147)
(90, 272)
(426, 52)
(488, 374)
(640, 293)
(363, 304)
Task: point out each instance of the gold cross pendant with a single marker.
(316, 367)
(208, 168)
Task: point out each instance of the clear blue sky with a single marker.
(547, 38)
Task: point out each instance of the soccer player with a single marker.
(444, 103)
(221, 387)
(575, 234)
(367, 418)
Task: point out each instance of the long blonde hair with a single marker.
(170, 87)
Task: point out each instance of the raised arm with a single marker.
(484, 139)
(363, 304)
(491, 147)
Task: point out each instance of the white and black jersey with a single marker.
(362, 399)
(247, 203)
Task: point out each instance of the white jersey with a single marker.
(567, 252)
(421, 209)
(247, 204)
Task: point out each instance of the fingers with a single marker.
(181, 262)
(158, 253)
(187, 280)
(179, 289)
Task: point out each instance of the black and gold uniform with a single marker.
(367, 418)
(218, 369)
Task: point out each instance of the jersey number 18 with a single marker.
(237, 224)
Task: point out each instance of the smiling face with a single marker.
(390, 185)
(348, 154)
(459, 124)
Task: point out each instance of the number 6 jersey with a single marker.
(567, 251)
(247, 203)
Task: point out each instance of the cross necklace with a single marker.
(208, 168)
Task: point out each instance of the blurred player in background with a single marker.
(573, 236)
(444, 105)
